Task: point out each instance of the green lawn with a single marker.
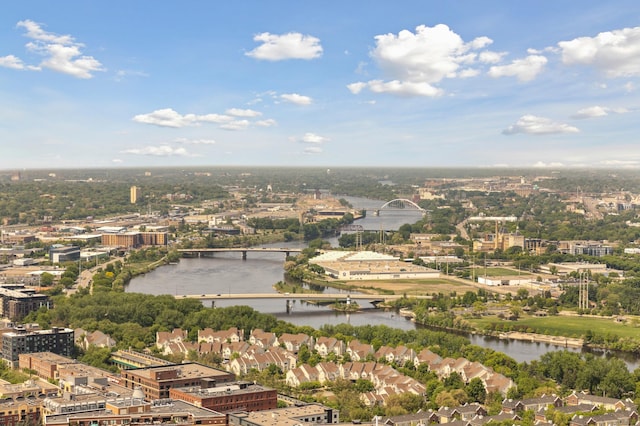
(569, 326)
(499, 272)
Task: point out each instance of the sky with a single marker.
(349, 83)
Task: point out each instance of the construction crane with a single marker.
(497, 219)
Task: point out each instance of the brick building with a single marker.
(156, 382)
(17, 302)
(228, 397)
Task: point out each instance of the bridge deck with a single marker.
(298, 296)
(241, 249)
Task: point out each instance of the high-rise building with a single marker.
(134, 194)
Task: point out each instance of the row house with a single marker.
(302, 374)
(164, 338)
(97, 338)
(534, 404)
(232, 335)
(427, 357)
(463, 412)
(571, 410)
(616, 418)
(293, 342)
(498, 418)
(421, 418)
(359, 351)
(601, 401)
(326, 345)
(357, 370)
(399, 355)
(259, 359)
(328, 372)
(228, 349)
(374, 398)
(493, 382)
(262, 338)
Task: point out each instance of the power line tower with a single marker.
(583, 291)
(358, 230)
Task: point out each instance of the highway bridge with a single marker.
(298, 296)
(208, 252)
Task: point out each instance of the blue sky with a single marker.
(141, 83)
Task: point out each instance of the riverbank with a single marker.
(567, 342)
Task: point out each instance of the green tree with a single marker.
(476, 390)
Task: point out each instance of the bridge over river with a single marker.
(207, 252)
(298, 296)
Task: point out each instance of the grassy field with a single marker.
(499, 272)
(410, 287)
(570, 326)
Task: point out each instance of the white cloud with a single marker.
(195, 141)
(616, 53)
(541, 164)
(123, 74)
(356, 88)
(235, 125)
(35, 32)
(629, 87)
(396, 87)
(167, 117)
(13, 62)
(287, 46)
(489, 57)
(314, 138)
(61, 52)
(236, 112)
(621, 163)
(533, 125)
(270, 122)
(591, 112)
(415, 62)
(159, 151)
(523, 69)
(297, 99)
(116, 161)
(469, 72)
(597, 111)
(313, 150)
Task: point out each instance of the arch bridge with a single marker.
(402, 203)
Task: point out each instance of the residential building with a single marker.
(16, 301)
(21, 341)
(156, 382)
(290, 416)
(233, 396)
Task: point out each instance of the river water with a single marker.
(228, 273)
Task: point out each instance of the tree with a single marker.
(46, 279)
(476, 390)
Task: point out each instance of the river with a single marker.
(228, 273)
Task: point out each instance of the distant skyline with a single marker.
(420, 83)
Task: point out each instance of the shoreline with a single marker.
(567, 342)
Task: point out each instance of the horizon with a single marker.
(417, 84)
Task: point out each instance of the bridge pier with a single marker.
(289, 304)
(244, 255)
